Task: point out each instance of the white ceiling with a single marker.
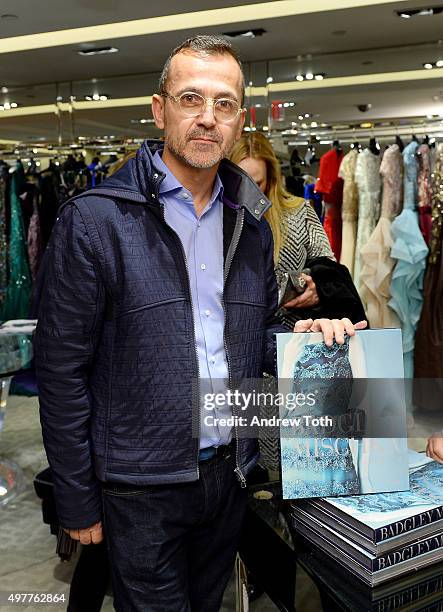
(340, 42)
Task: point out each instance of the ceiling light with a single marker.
(7, 106)
(304, 126)
(428, 65)
(299, 77)
(4, 90)
(319, 77)
(366, 125)
(246, 33)
(300, 117)
(309, 76)
(269, 79)
(98, 51)
(14, 104)
(424, 12)
(265, 128)
(88, 98)
(258, 106)
(307, 115)
(247, 128)
(291, 103)
(314, 124)
(439, 64)
(96, 97)
(103, 97)
(286, 104)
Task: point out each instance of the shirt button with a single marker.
(185, 196)
(208, 312)
(203, 266)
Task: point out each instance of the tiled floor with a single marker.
(28, 562)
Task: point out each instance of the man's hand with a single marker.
(90, 535)
(331, 328)
(308, 298)
(434, 448)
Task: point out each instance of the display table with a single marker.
(15, 354)
(272, 549)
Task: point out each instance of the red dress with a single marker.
(330, 185)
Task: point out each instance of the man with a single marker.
(160, 278)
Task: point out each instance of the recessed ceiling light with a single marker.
(314, 124)
(424, 12)
(319, 77)
(246, 33)
(301, 117)
(89, 98)
(307, 115)
(98, 51)
(299, 77)
(103, 97)
(428, 66)
(439, 64)
(14, 104)
(9, 17)
(4, 90)
(96, 97)
(309, 76)
(269, 79)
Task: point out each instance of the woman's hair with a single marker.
(256, 145)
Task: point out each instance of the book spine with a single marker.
(410, 595)
(408, 524)
(407, 552)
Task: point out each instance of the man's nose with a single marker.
(207, 117)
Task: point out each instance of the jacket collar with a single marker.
(139, 181)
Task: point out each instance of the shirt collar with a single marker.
(171, 183)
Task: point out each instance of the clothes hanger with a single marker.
(374, 147)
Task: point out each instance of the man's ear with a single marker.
(240, 124)
(158, 111)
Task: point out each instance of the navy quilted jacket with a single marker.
(115, 349)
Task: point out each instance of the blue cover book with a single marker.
(334, 386)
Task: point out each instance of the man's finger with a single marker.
(339, 331)
(73, 533)
(85, 536)
(303, 326)
(361, 325)
(325, 326)
(97, 535)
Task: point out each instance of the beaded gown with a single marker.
(409, 252)
(18, 293)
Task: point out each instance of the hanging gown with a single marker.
(16, 305)
(330, 185)
(429, 338)
(311, 467)
(376, 262)
(367, 177)
(409, 252)
(425, 192)
(349, 211)
(3, 238)
(35, 244)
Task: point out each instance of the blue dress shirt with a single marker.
(202, 240)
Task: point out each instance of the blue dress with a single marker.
(317, 467)
(410, 251)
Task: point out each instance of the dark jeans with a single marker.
(172, 547)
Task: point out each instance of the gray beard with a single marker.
(177, 148)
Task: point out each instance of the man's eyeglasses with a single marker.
(193, 104)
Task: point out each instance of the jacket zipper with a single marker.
(230, 256)
(193, 325)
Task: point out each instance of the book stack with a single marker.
(381, 536)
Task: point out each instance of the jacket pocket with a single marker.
(130, 311)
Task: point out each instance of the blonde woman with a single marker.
(299, 240)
